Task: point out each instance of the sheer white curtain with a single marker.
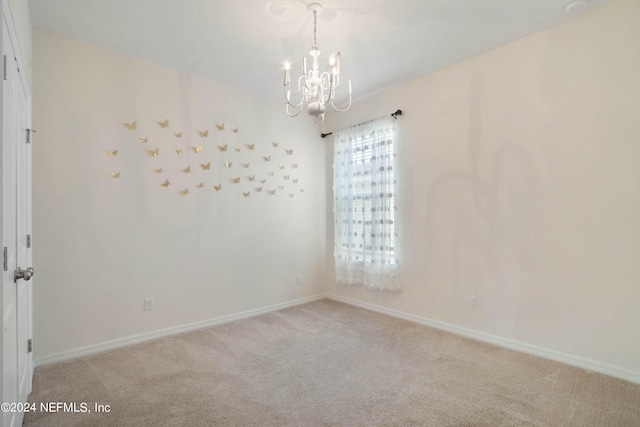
(364, 205)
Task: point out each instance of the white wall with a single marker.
(101, 245)
(520, 184)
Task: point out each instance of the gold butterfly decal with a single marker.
(178, 135)
(271, 173)
(237, 149)
(286, 176)
(197, 149)
(179, 151)
(251, 178)
(222, 147)
(159, 170)
(289, 152)
(154, 153)
(245, 165)
(164, 124)
(246, 194)
(228, 164)
(130, 126)
(271, 192)
(275, 144)
(166, 183)
(220, 127)
(251, 146)
(258, 189)
(143, 140)
(262, 181)
(187, 169)
(235, 130)
(184, 192)
(205, 167)
(115, 174)
(291, 194)
(281, 187)
(266, 158)
(218, 187)
(295, 181)
(302, 190)
(281, 167)
(200, 185)
(113, 152)
(204, 133)
(236, 180)
(295, 166)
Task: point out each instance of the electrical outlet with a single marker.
(148, 304)
(472, 301)
(298, 280)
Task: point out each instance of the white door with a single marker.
(16, 201)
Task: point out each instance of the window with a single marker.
(364, 205)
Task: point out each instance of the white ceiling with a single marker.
(244, 42)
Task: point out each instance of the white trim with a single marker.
(135, 339)
(569, 359)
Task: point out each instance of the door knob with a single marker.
(23, 274)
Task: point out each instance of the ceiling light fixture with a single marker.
(316, 89)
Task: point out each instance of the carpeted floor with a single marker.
(328, 364)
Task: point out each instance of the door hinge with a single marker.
(28, 240)
(29, 345)
(30, 133)
(6, 259)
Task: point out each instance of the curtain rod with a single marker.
(394, 115)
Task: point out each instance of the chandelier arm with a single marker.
(289, 114)
(288, 94)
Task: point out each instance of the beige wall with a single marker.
(520, 184)
(102, 245)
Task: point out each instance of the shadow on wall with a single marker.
(480, 218)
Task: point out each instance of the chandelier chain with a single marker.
(315, 26)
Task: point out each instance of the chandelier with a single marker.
(316, 89)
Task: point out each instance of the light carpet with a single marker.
(328, 364)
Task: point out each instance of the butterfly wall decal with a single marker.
(159, 170)
(113, 152)
(178, 135)
(155, 152)
(184, 192)
(262, 181)
(275, 144)
(164, 124)
(245, 165)
(294, 166)
(115, 174)
(289, 152)
(187, 169)
(228, 164)
(251, 178)
(200, 185)
(236, 180)
(197, 149)
(246, 194)
(302, 190)
(222, 147)
(143, 140)
(295, 181)
(220, 127)
(281, 167)
(258, 189)
(271, 192)
(235, 130)
(166, 183)
(271, 173)
(251, 146)
(237, 149)
(204, 133)
(218, 187)
(291, 194)
(205, 166)
(266, 158)
(286, 176)
(179, 151)
(281, 187)
(130, 126)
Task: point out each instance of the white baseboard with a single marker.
(569, 359)
(135, 339)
